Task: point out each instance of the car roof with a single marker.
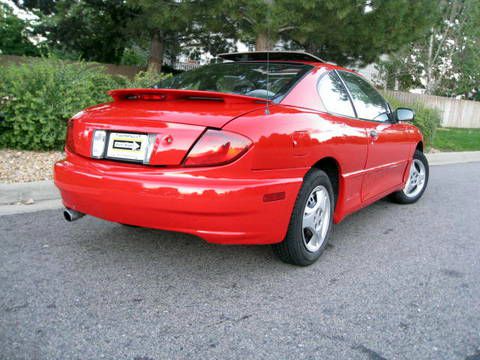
(297, 56)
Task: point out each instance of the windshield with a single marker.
(248, 78)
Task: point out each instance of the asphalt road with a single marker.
(397, 282)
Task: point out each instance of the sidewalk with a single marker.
(28, 197)
(445, 158)
(42, 195)
(25, 192)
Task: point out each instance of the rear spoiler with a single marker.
(151, 94)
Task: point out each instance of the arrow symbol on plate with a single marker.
(136, 145)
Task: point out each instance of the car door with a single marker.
(388, 146)
(350, 145)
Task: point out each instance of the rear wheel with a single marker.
(416, 183)
(311, 221)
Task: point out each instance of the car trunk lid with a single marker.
(172, 119)
(203, 108)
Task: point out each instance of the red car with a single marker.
(264, 148)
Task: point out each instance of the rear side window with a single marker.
(334, 96)
(369, 104)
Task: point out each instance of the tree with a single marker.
(252, 21)
(356, 32)
(14, 34)
(110, 30)
(87, 29)
(462, 50)
(343, 31)
(447, 60)
(162, 22)
(44, 6)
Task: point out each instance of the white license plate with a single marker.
(125, 146)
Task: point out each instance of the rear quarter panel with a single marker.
(296, 138)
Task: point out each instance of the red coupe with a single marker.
(264, 148)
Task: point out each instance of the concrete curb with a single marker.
(46, 196)
(444, 158)
(24, 192)
(55, 204)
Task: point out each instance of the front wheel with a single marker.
(311, 221)
(417, 181)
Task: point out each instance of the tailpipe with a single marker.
(72, 215)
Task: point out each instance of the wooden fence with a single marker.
(455, 113)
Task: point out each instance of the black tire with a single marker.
(400, 196)
(292, 249)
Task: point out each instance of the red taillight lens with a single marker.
(69, 141)
(217, 147)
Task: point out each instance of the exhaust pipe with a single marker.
(72, 215)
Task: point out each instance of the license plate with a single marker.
(124, 146)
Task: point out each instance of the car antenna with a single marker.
(267, 109)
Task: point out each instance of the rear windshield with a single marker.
(248, 78)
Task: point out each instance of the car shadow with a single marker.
(159, 248)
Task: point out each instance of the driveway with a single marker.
(397, 282)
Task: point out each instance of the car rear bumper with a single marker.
(200, 202)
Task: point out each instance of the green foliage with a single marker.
(90, 30)
(170, 26)
(426, 119)
(45, 6)
(352, 32)
(446, 61)
(134, 56)
(450, 139)
(343, 31)
(14, 34)
(145, 79)
(463, 76)
(37, 99)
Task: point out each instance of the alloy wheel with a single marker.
(316, 218)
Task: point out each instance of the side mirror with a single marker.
(404, 114)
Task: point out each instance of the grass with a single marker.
(450, 139)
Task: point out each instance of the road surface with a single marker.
(397, 282)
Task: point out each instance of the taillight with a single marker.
(69, 141)
(217, 147)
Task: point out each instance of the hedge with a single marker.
(37, 99)
(426, 119)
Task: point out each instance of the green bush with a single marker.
(426, 119)
(37, 98)
(145, 79)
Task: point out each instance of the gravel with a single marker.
(26, 166)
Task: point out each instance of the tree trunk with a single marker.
(429, 75)
(155, 59)
(262, 42)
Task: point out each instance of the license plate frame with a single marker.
(127, 146)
